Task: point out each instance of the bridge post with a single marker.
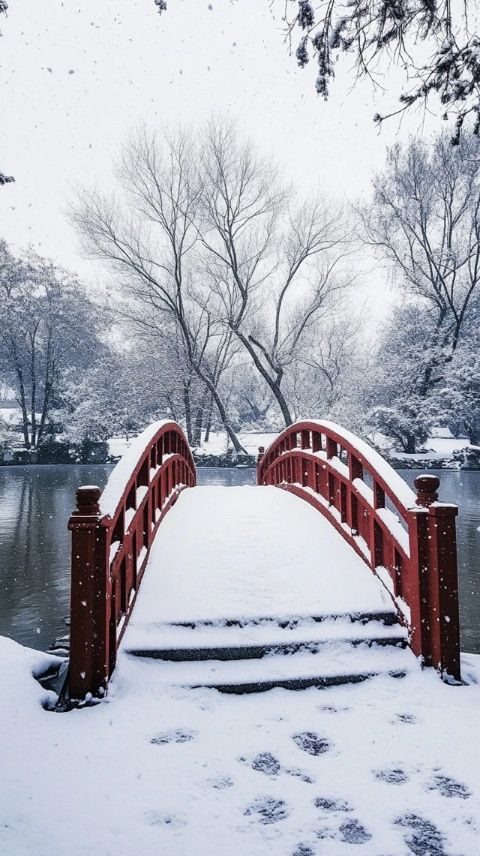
(261, 452)
(90, 641)
(444, 621)
(414, 585)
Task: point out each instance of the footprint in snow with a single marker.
(156, 818)
(221, 783)
(267, 810)
(312, 743)
(266, 763)
(303, 850)
(405, 718)
(449, 787)
(392, 775)
(423, 837)
(324, 832)
(175, 735)
(299, 774)
(332, 804)
(352, 832)
(330, 708)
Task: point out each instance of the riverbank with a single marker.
(437, 453)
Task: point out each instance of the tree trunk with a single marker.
(473, 432)
(43, 418)
(208, 426)
(272, 382)
(197, 426)
(23, 405)
(409, 444)
(188, 413)
(221, 409)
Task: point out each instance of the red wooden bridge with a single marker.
(248, 589)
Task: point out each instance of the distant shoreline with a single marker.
(249, 462)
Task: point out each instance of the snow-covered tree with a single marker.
(207, 241)
(425, 222)
(433, 42)
(47, 325)
(460, 397)
(148, 236)
(272, 261)
(394, 400)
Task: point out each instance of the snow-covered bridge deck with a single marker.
(238, 573)
(241, 552)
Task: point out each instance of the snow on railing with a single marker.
(408, 539)
(112, 534)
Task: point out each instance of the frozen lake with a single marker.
(36, 502)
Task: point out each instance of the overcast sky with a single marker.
(76, 75)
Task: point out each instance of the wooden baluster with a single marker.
(376, 533)
(261, 452)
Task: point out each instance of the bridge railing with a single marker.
(112, 533)
(407, 539)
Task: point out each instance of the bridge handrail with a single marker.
(112, 533)
(410, 546)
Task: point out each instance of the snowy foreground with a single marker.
(387, 767)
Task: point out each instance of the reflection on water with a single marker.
(228, 476)
(36, 502)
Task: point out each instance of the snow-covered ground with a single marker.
(386, 768)
(217, 444)
(437, 448)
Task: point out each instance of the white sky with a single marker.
(75, 76)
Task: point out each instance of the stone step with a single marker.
(334, 663)
(385, 616)
(181, 644)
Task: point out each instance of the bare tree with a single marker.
(328, 363)
(149, 235)
(425, 220)
(272, 266)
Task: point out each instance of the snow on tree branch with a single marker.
(431, 44)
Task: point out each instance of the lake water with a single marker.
(36, 502)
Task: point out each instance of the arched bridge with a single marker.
(342, 574)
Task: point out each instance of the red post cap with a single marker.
(87, 499)
(426, 487)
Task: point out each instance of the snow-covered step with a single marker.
(335, 663)
(287, 619)
(235, 642)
